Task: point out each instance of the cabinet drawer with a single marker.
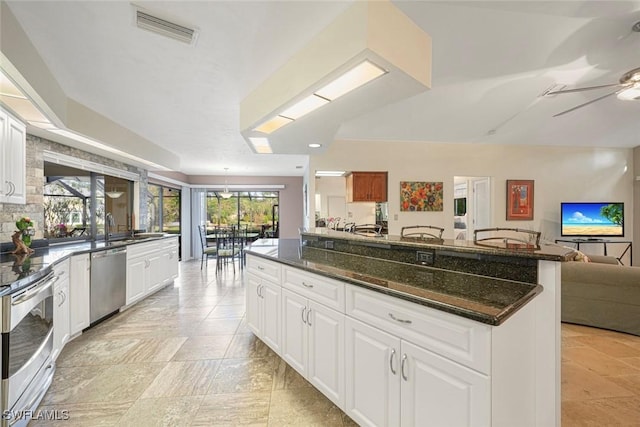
(168, 243)
(61, 269)
(140, 249)
(266, 269)
(459, 339)
(318, 288)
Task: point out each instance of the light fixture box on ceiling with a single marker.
(374, 31)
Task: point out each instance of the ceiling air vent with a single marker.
(166, 28)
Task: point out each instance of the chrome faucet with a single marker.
(109, 223)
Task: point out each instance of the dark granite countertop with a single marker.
(484, 299)
(17, 271)
(546, 251)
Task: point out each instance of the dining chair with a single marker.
(207, 251)
(227, 248)
(422, 232)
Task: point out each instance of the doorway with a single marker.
(472, 205)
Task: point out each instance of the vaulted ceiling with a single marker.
(491, 62)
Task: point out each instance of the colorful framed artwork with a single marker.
(420, 196)
(519, 200)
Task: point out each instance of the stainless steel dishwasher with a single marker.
(108, 283)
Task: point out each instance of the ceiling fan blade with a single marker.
(581, 89)
(586, 103)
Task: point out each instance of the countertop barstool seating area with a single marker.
(207, 251)
(422, 232)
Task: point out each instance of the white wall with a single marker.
(331, 186)
(560, 174)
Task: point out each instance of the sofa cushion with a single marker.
(601, 259)
(601, 295)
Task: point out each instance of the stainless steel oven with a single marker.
(26, 347)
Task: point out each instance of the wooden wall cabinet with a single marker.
(367, 187)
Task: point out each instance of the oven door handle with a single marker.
(36, 290)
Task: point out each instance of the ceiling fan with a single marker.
(627, 89)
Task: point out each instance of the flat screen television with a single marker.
(460, 206)
(592, 219)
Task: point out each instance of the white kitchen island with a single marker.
(389, 352)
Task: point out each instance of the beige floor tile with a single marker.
(96, 352)
(189, 378)
(631, 361)
(68, 382)
(162, 412)
(579, 383)
(611, 346)
(630, 382)
(248, 346)
(216, 327)
(596, 361)
(101, 414)
(302, 406)
(227, 311)
(619, 412)
(244, 376)
(204, 347)
(285, 377)
(238, 409)
(154, 350)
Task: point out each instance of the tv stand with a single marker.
(604, 242)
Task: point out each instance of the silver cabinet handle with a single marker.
(303, 310)
(404, 362)
(258, 290)
(260, 268)
(408, 322)
(12, 188)
(262, 291)
(393, 355)
(306, 286)
(308, 320)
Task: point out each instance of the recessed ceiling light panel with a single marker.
(354, 78)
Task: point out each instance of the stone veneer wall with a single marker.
(10, 213)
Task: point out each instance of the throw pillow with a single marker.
(581, 257)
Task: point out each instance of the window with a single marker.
(257, 210)
(163, 209)
(76, 202)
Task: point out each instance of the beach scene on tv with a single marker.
(592, 219)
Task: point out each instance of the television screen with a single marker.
(589, 219)
(460, 206)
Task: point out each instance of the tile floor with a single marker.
(183, 357)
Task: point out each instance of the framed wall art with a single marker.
(420, 196)
(519, 200)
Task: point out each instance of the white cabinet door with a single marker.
(79, 293)
(439, 392)
(264, 310)
(172, 264)
(15, 161)
(156, 272)
(60, 315)
(326, 351)
(294, 331)
(254, 306)
(137, 277)
(271, 301)
(12, 159)
(372, 375)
